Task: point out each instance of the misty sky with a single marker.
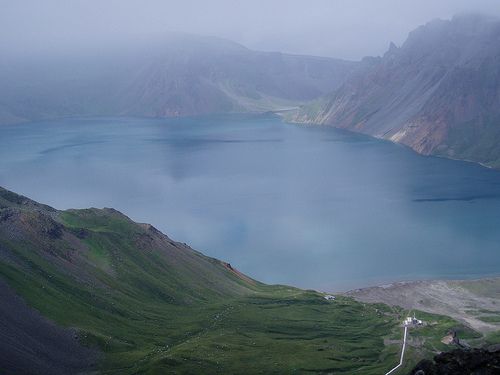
(348, 29)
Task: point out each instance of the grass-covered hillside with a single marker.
(102, 293)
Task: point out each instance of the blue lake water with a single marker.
(308, 206)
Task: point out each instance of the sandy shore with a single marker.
(474, 302)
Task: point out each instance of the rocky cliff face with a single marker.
(439, 93)
(177, 75)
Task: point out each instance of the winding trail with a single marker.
(402, 354)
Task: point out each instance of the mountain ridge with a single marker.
(438, 93)
(175, 75)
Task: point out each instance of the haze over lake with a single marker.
(308, 206)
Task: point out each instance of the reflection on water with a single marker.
(309, 206)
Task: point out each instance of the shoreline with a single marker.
(313, 124)
(280, 112)
(389, 283)
(474, 302)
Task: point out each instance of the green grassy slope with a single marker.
(155, 306)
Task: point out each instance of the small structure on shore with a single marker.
(412, 321)
(329, 297)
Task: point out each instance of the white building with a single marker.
(329, 297)
(412, 321)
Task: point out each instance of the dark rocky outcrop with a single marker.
(461, 362)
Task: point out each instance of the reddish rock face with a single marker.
(439, 93)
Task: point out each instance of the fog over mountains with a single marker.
(179, 75)
(439, 92)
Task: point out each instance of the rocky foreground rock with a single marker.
(462, 362)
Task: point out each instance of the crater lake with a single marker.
(309, 206)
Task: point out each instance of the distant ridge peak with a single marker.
(392, 49)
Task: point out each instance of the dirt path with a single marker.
(402, 353)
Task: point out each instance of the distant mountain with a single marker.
(177, 75)
(91, 291)
(439, 93)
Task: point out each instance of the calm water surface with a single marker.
(307, 206)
